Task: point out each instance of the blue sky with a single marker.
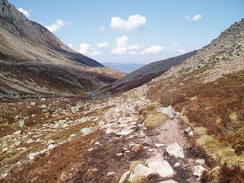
(134, 31)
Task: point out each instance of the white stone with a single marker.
(200, 161)
(72, 135)
(177, 164)
(187, 130)
(110, 173)
(139, 172)
(124, 176)
(169, 111)
(51, 146)
(160, 166)
(17, 132)
(43, 99)
(175, 150)
(159, 145)
(119, 154)
(198, 170)
(32, 103)
(29, 141)
(31, 156)
(50, 141)
(86, 131)
(5, 149)
(168, 181)
(191, 133)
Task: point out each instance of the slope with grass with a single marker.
(33, 62)
(145, 74)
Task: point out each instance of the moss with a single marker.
(154, 119)
(215, 151)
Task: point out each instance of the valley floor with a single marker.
(126, 138)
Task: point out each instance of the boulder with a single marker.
(169, 111)
(175, 150)
(187, 130)
(160, 166)
(198, 170)
(200, 161)
(139, 172)
(86, 131)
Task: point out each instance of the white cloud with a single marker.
(175, 48)
(84, 48)
(101, 29)
(121, 45)
(195, 17)
(122, 41)
(102, 45)
(57, 25)
(94, 53)
(134, 22)
(136, 47)
(154, 49)
(25, 12)
(119, 51)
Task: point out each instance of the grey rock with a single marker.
(200, 161)
(187, 130)
(160, 166)
(175, 150)
(140, 171)
(198, 170)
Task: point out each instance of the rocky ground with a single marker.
(127, 138)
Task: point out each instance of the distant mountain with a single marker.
(145, 74)
(126, 68)
(33, 61)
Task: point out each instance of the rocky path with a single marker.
(127, 138)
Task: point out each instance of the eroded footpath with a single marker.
(126, 138)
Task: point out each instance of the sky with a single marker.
(133, 31)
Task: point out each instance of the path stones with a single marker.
(175, 150)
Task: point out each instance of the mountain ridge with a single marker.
(40, 64)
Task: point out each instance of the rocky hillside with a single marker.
(184, 126)
(33, 61)
(145, 74)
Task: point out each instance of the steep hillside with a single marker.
(35, 62)
(208, 91)
(184, 126)
(145, 74)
